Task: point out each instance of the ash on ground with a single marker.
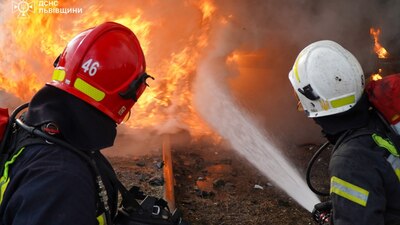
(215, 186)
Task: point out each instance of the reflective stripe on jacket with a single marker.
(6, 178)
(365, 187)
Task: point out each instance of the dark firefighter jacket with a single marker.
(365, 179)
(50, 184)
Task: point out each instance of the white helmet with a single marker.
(327, 79)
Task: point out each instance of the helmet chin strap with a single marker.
(308, 92)
(55, 63)
(134, 86)
(127, 117)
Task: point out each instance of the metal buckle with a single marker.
(157, 210)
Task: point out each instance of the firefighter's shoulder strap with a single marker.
(388, 141)
(128, 198)
(18, 143)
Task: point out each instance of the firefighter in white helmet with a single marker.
(365, 187)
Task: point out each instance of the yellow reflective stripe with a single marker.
(11, 161)
(349, 191)
(102, 219)
(343, 101)
(3, 186)
(58, 74)
(397, 171)
(296, 72)
(395, 163)
(385, 143)
(89, 90)
(4, 180)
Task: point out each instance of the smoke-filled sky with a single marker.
(268, 33)
(278, 30)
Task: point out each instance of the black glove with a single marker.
(322, 213)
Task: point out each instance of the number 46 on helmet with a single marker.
(105, 67)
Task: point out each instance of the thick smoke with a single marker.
(277, 30)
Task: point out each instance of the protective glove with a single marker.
(322, 213)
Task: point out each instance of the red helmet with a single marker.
(384, 95)
(105, 67)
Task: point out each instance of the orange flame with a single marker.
(376, 76)
(38, 39)
(379, 50)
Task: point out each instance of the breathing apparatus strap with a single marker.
(48, 138)
(96, 162)
(128, 198)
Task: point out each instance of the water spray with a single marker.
(218, 108)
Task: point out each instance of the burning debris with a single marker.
(379, 50)
(385, 63)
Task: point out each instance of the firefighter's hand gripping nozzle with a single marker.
(322, 213)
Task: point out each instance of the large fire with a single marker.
(37, 39)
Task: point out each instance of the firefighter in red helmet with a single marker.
(104, 67)
(54, 172)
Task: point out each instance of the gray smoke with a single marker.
(279, 29)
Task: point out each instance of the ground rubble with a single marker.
(215, 186)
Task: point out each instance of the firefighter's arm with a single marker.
(357, 191)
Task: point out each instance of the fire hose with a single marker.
(309, 168)
(322, 212)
